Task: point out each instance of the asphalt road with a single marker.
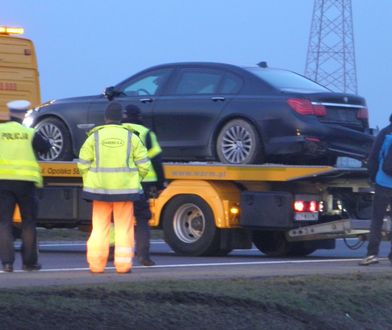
(64, 263)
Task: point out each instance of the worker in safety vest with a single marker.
(153, 183)
(112, 162)
(20, 174)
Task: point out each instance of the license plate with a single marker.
(306, 216)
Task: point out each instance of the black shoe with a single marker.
(32, 268)
(8, 268)
(146, 262)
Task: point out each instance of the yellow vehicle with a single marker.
(19, 79)
(211, 209)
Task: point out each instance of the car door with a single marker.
(185, 115)
(141, 90)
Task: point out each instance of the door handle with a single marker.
(217, 98)
(146, 100)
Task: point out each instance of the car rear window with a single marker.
(287, 80)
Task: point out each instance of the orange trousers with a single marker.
(98, 242)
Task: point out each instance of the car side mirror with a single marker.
(110, 93)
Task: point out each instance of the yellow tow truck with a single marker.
(19, 78)
(208, 209)
(211, 209)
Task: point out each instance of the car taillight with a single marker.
(363, 113)
(305, 107)
(306, 206)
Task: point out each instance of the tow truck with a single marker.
(213, 208)
(208, 208)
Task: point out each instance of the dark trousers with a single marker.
(382, 198)
(22, 193)
(142, 229)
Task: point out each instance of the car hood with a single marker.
(80, 99)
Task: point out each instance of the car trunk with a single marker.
(342, 109)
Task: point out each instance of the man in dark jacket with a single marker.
(383, 192)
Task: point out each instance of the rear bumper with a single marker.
(330, 141)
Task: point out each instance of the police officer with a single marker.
(153, 183)
(19, 176)
(112, 162)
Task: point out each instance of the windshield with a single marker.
(287, 80)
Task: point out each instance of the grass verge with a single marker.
(313, 302)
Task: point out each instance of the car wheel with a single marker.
(238, 143)
(189, 227)
(58, 134)
(271, 243)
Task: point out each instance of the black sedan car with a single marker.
(220, 112)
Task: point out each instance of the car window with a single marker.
(287, 80)
(148, 84)
(231, 84)
(197, 81)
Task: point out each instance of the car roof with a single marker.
(200, 64)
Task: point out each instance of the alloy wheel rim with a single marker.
(236, 144)
(54, 135)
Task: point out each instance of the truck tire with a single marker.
(56, 131)
(300, 249)
(271, 243)
(189, 227)
(275, 244)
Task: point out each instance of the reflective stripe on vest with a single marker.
(112, 171)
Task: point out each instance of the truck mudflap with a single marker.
(344, 228)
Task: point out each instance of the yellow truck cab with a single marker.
(19, 78)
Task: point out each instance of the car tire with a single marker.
(56, 131)
(239, 143)
(189, 227)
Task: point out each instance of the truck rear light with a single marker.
(305, 107)
(299, 206)
(313, 207)
(363, 113)
(306, 206)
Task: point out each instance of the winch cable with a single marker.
(357, 245)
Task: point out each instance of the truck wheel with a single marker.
(271, 243)
(300, 249)
(58, 134)
(239, 143)
(189, 227)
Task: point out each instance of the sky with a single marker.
(84, 46)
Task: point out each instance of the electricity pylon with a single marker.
(331, 56)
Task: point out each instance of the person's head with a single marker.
(113, 113)
(132, 114)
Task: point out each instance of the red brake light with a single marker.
(305, 107)
(299, 206)
(313, 207)
(302, 206)
(363, 113)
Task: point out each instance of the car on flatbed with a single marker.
(204, 111)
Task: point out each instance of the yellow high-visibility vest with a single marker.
(154, 150)
(17, 158)
(113, 161)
